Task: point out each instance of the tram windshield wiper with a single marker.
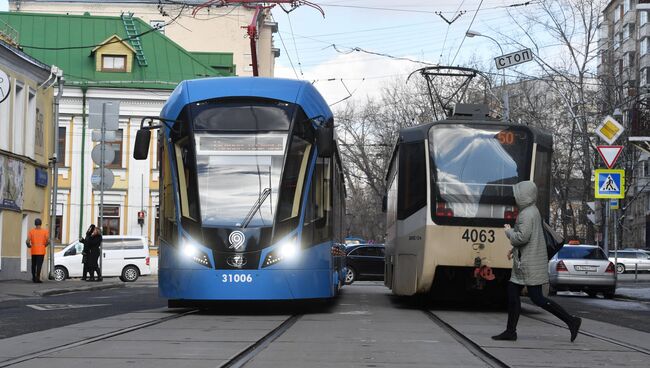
(260, 200)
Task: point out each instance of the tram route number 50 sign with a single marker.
(609, 183)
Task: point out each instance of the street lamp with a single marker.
(506, 105)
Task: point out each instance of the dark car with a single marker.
(364, 262)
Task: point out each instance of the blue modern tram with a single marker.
(251, 191)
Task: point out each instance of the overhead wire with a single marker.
(465, 35)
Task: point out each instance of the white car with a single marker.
(629, 260)
(123, 256)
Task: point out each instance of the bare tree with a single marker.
(571, 27)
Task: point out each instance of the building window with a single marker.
(631, 59)
(626, 6)
(156, 226)
(111, 224)
(60, 160)
(58, 229)
(113, 63)
(117, 148)
(643, 77)
(618, 13)
(643, 46)
(643, 18)
(19, 120)
(628, 31)
(618, 40)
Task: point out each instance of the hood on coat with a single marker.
(525, 193)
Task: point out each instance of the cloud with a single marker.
(364, 75)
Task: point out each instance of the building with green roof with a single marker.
(68, 41)
(120, 59)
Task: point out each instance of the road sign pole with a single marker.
(101, 189)
(606, 239)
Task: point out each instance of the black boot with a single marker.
(572, 322)
(506, 335)
(575, 327)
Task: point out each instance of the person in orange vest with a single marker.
(37, 241)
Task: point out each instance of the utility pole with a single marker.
(55, 169)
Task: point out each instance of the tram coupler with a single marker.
(482, 273)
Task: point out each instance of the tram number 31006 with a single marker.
(482, 236)
(237, 278)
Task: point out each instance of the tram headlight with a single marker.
(191, 250)
(287, 250)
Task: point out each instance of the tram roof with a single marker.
(289, 90)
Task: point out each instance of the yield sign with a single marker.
(609, 154)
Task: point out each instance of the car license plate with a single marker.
(586, 268)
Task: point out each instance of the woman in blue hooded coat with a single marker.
(530, 263)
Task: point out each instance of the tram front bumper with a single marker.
(265, 284)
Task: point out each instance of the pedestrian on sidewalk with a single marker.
(85, 253)
(529, 263)
(92, 244)
(37, 241)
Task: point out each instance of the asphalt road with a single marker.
(27, 315)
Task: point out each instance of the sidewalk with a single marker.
(19, 289)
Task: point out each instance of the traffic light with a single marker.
(140, 218)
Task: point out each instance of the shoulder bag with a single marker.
(554, 242)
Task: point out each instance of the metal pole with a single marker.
(101, 186)
(506, 99)
(606, 240)
(142, 201)
(55, 176)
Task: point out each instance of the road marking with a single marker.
(49, 307)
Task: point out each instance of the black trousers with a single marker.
(537, 297)
(37, 266)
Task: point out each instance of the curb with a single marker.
(83, 288)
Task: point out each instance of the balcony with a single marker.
(644, 61)
(639, 119)
(629, 45)
(629, 17)
(644, 30)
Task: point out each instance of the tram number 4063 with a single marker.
(481, 236)
(238, 278)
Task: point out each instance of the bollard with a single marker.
(636, 272)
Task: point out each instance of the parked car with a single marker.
(364, 262)
(124, 256)
(630, 259)
(582, 268)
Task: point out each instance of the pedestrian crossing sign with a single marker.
(609, 183)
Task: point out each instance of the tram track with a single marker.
(257, 347)
(596, 336)
(90, 340)
(468, 343)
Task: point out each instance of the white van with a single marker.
(123, 256)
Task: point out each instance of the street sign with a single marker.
(96, 114)
(109, 179)
(518, 57)
(609, 154)
(614, 204)
(96, 154)
(609, 183)
(609, 130)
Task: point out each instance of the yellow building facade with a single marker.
(26, 146)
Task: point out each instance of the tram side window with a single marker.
(542, 178)
(391, 205)
(338, 198)
(412, 180)
(317, 204)
(294, 176)
(168, 230)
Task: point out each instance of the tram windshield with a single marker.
(475, 166)
(239, 176)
